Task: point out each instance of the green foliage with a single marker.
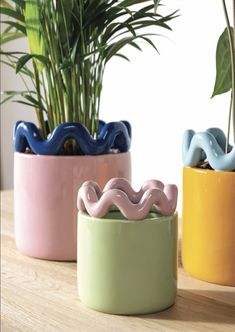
(225, 69)
(70, 43)
(223, 82)
(33, 30)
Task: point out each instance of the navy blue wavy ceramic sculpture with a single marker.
(113, 135)
(210, 146)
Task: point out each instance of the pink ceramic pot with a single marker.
(45, 195)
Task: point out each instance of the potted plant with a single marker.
(70, 43)
(127, 246)
(208, 242)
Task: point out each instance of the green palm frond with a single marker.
(70, 43)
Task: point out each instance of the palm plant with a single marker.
(70, 43)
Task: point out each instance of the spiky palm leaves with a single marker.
(70, 43)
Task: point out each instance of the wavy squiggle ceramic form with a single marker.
(133, 205)
(113, 135)
(210, 146)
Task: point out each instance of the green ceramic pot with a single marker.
(127, 267)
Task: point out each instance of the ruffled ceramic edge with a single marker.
(133, 205)
(113, 135)
(210, 146)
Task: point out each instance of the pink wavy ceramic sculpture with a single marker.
(133, 205)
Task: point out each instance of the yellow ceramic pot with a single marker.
(208, 232)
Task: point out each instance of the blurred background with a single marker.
(161, 95)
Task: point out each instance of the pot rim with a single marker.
(209, 171)
(69, 157)
(158, 218)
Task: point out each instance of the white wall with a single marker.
(160, 95)
(164, 95)
(10, 113)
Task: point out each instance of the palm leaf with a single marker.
(25, 70)
(25, 58)
(10, 36)
(12, 13)
(8, 95)
(70, 43)
(16, 25)
(33, 29)
(6, 4)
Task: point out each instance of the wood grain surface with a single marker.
(42, 296)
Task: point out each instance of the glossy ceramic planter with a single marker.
(113, 135)
(45, 195)
(208, 234)
(133, 205)
(208, 146)
(127, 267)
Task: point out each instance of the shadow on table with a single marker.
(198, 306)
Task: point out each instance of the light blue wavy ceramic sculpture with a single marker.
(210, 146)
(113, 135)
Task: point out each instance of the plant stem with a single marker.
(49, 110)
(234, 69)
(229, 121)
(231, 43)
(39, 111)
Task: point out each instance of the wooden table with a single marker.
(42, 296)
